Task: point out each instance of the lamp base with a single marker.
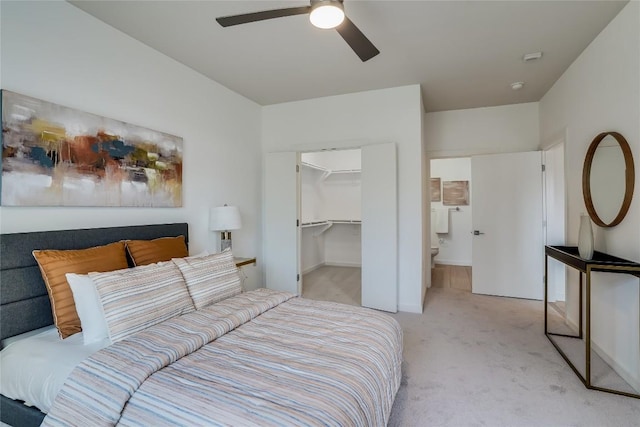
(225, 241)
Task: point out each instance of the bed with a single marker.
(256, 358)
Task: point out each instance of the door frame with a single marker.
(560, 288)
(323, 147)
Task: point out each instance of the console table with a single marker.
(568, 255)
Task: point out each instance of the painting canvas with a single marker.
(58, 156)
(455, 193)
(436, 195)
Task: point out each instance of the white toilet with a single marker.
(434, 252)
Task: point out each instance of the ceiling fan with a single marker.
(325, 14)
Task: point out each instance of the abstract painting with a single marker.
(58, 156)
(436, 196)
(455, 193)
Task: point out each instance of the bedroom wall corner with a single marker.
(56, 52)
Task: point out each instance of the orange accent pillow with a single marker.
(54, 264)
(145, 252)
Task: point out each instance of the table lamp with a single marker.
(224, 219)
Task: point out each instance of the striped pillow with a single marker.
(136, 298)
(210, 278)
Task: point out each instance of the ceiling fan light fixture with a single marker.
(326, 14)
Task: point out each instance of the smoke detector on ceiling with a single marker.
(528, 57)
(517, 85)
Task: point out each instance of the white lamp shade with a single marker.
(224, 218)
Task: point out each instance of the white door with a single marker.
(379, 227)
(281, 222)
(508, 246)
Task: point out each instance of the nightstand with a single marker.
(244, 261)
(241, 262)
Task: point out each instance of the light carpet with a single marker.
(474, 360)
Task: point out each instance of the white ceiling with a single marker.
(464, 54)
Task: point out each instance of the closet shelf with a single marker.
(346, 171)
(346, 221)
(324, 224)
(328, 224)
(329, 172)
(312, 166)
(314, 224)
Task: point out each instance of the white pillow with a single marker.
(89, 308)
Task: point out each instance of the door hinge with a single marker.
(298, 278)
(297, 223)
(297, 168)
(544, 168)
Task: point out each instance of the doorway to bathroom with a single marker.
(505, 227)
(451, 223)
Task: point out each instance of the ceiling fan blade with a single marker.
(358, 41)
(227, 21)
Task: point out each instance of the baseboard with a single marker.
(343, 264)
(561, 297)
(312, 268)
(330, 264)
(453, 262)
(626, 375)
(574, 326)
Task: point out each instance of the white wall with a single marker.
(312, 250)
(312, 194)
(601, 92)
(343, 245)
(455, 246)
(337, 195)
(343, 197)
(58, 53)
(312, 200)
(488, 130)
(354, 120)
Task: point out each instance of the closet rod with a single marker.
(314, 224)
(311, 165)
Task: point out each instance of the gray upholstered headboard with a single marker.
(24, 303)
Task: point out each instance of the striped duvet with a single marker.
(262, 358)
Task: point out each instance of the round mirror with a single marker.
(608, 178)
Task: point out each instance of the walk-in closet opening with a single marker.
(331, 248)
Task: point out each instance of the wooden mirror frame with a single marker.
(629, 178)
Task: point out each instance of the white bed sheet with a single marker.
(34, 367)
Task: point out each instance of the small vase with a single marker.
(585, 238)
